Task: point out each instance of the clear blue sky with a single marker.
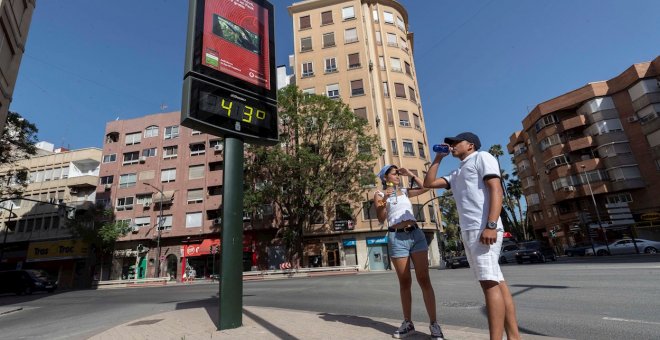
(481, 65)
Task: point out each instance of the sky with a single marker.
(481, 65)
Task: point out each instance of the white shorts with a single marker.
(483, 259)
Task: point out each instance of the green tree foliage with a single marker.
(16, 143)
(96, 226)
(450, 221)
(325, 159)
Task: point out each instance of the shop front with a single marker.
(65, 260)
(200, 260)
(377, 253)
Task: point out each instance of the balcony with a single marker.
(580, 143)
(611, 137)
(619, 160)
(645, 100)
(82, 181)
(650, 124)
(574, 122)
(548, 130)
(628, 184)
(589, 165)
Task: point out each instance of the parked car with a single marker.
(458, 261)
(26, 281)
(535, 251)
(508, 253)
(626, 246)
(580, 249)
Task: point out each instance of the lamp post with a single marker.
(593, 198)
(159, 226)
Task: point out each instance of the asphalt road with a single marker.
(579, 298)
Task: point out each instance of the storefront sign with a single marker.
(56, 250)
(377, 240)
(119, 253)
(349, 242)
(200, 249)
(654, 216)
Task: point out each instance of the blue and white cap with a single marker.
(384, 170)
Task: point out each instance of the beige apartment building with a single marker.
(15, 18)
(599, 142)
(361, 52)
(36, 236)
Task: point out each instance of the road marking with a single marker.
(633, 321)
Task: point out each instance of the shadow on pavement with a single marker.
(278, 332)
(358, 321)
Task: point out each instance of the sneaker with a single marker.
(406, 329)
(436, 331)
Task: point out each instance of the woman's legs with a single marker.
(402, 268)
(421, 261)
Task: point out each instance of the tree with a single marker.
(16, 143)
(323, 164)
(450, 220)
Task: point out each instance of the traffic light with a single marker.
(140, 248)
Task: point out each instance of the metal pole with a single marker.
(160, 229)
(4, 240)
(231, 257)
(593, 198)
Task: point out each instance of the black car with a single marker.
(26, 281)
(535, 251)
(579, 249)
(458, 261)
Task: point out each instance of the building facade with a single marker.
(361, 52)
(597, 144)
(36, 236)
(165, 181)
(15, 18)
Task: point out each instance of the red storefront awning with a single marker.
(204, 248)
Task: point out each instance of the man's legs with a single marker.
(510, 320)
(501, 310)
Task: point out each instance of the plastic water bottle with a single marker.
(441, 148)
(393, 194)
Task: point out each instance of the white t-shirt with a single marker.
(470, 192)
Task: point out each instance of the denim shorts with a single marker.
(402, 243)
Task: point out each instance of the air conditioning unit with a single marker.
(569, 188)
(632, 119)
(217, 221)
(135, 229)
(107, 186)
(218, 147)
(143, 159)
(146, 204)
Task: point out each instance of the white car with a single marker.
(626, 246)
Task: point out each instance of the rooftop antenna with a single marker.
(163, 107)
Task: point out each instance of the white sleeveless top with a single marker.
(401, 211)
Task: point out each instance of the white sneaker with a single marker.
(406, 329)
(436, 331)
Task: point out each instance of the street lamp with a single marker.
(593, 198)
(159, 226)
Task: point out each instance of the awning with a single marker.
(167, 197)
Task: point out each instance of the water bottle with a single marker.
(441, 148)
(393, 194)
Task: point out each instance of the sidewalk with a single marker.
(273, 323)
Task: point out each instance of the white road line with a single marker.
(633, 321)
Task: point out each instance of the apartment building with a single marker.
(36, 236)
(599, 143)
(15, 18)
(156, 174)
(361, 52)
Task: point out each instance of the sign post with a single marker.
(229, 90)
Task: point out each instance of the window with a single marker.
(332, 90)
(404, 120)
(388, 17)
(196, 171)
(151, 152)
(215, 166)
(213, 143)
(603, 127)
(361, 112)
(310, 90)
(195, 196)
(110, 158)
(432, 213)
(408, 149)
(329, 39)
(144, 221)
(545, 121)
(168, 175)
(395, 149)
(144, 198)
(151, 131)
(326, 18)
(167, 222)
(399, 90)
(418, 210)
(131, 157)
(330, 65)
(215, 190)
(390, 117)
(307, 69)
(353, 60)
(305, 22)
(369, 211)
(379, 38)
(197, 149)
(348, 13)
(133, 138)
(171, 132)
(375, 15)
(305, 44)
(386, 89)
(395, 64)
(106, 180)
(413, 94)
(400, 24)
(127, 180)
(170, 151)
(381, 62)
(357, 88)
(418, 124)
(624, 173)
(193, 220)
(624, 197)
(125, 203)
(408, 68)
(350, 35)
(391, 40)
(550, 141)
(420, 150)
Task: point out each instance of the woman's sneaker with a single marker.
(406, 329)
(436, 331)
